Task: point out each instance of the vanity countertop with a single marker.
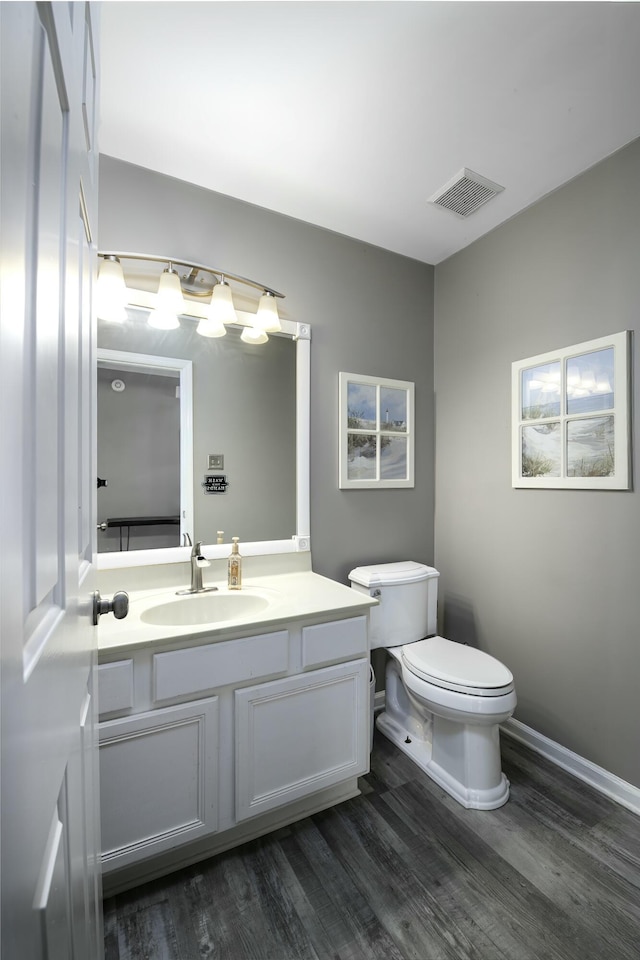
(291, 596)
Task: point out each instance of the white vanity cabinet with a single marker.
(206, 743)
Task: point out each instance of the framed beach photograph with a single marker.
(376, 432)
(570, 417)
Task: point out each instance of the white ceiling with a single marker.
(351, 115)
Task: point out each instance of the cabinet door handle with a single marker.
(118, 605)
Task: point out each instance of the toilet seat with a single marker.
(457, 667)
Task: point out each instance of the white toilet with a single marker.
(444, 700)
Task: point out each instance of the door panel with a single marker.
(51, 900)
(49, 871)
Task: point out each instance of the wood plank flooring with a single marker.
(403, 872)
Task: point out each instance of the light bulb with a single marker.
(111, 292)
(253, 335)
(267, 316)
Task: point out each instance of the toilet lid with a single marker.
(456, 666)
(388, 574)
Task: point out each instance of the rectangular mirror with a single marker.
(250, 406)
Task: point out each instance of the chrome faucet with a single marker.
(197, 564)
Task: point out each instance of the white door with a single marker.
(50, 867)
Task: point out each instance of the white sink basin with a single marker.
(202, 608)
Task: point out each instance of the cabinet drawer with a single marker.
(338, 640)
(115, 686)
(182, 672)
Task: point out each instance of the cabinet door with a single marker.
(158, 781)
(299, 735)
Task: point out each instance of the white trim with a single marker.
(212, 551)
(597, 777)
(303, 436)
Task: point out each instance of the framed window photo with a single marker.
(376, 432)
(570, 417)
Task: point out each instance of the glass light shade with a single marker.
(253, 335)
(162, 319)
(221, 309)
(267, 316)
(111, 292)
(170, 302)
(210, 327)
(170, 292)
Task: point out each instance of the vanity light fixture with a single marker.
(182, 296)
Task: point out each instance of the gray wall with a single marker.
(545, 580)
(371, 312)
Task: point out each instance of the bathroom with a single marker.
(543, 580)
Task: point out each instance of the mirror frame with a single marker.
(300, 541)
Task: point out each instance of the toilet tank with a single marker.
(407, 594)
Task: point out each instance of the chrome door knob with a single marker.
(118, 605)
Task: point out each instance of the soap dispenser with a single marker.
(234, 579)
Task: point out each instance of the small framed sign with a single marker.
(215, 483)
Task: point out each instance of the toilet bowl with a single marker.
(444, 701)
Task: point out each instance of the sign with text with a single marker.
(215, 483)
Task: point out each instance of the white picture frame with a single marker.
(570, 417)
(376, 432)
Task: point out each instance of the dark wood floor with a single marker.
(404, 872)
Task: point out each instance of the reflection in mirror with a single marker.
(244, 410)
(145, 488)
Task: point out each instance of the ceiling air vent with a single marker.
(465, 193)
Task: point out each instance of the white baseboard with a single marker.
(597, 777)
